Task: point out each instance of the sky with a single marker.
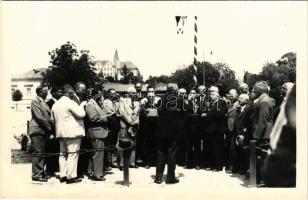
(245, 35)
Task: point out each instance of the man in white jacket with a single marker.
(68, 116)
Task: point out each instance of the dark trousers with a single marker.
(38, 145)
(240, 163)
(96, 162)
(83, 160)
(193, 142)
(166, 153)
(215, 144)
(150, 141)
(229, 150)
(140, 139)
(52, 163)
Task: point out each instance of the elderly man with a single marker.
(129, 110)
(244, 89)
(68, 116)
(262, 118)
(39, 131)
(182, 145)
(168, 131)
(111, 104)
(230, 148)
(215, 117)
(240, 163)
(149, 112)
(194, 131)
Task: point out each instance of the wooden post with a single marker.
(253, 164)
(126, 154)
(28, 124)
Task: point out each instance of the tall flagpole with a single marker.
(195, 49)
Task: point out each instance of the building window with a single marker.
(29, 92)
(28, 85)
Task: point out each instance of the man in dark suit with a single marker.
(262, 120)
(194, 132)
(217, 126)
(240, 164)
(52, 146)
(148, 111)
(168, 131)
(39, 131)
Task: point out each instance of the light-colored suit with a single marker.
(68, 117)
(70, 129)
(129, 113)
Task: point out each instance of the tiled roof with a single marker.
(128, 64)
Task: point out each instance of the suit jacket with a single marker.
(129, 112)
(262, 117)
(231, 114)
(68, 116)
(96, 119)
(41, 122)
(171, 117)
(216, 116)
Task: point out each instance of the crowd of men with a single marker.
(198, 130)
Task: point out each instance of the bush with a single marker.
(17, 95)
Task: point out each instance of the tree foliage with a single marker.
(284, 70)
(70, 66)
(17, 95)
(218, 74)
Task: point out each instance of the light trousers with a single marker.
(68, 161)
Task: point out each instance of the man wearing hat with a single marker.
(168, 131)
(129, 110)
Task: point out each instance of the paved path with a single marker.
(141, 179)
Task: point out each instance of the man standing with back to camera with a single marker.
(168, 132)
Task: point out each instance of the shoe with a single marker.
(62, 179)
(217, 170)
(208, 168)
(121, 168)
(80, 176)
(98, 178)
(172, 181)
(158, 180)
(39, 179)
(197, 167)
(73, 180)
(114, 166)
(133, 166)
(147, 166)
(107, 169)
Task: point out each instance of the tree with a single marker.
(283, 70)
(69, 67)
(153, 80)
(227, 79)
(17, 95)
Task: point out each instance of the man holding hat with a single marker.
(129, 110)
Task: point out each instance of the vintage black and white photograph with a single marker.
(106, 99)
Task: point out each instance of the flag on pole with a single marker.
(180, 22)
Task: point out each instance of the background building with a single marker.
(116, 67)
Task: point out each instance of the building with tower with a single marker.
(116, 67)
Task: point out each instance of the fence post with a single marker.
(253, 177)
(28, 124)
(126, 154)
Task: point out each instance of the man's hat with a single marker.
(125, 143)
